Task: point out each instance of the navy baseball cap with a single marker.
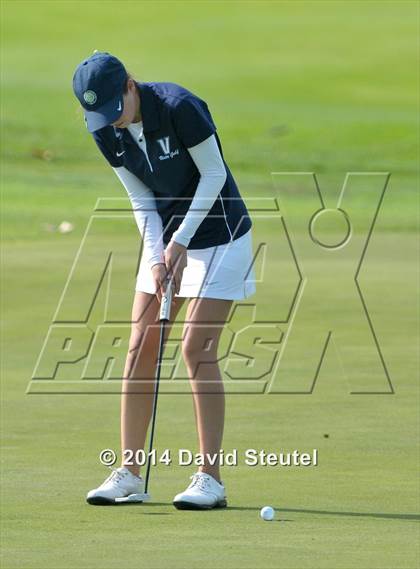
(98, 83)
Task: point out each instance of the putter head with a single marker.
(139, 498)
(147, 497)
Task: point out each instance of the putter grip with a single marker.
(165, 305)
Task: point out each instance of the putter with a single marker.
(164, 316)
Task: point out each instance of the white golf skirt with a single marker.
(223, 271)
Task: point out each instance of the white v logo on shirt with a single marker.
(164, 143)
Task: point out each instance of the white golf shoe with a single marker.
(120, 486)
(203, 493)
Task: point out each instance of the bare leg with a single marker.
(137, 398)
(204, 324)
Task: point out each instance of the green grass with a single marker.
(324, 87)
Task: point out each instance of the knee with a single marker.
(195, 351)
(189, 352)
(142, 345)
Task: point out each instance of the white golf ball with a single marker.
(65, 227)
(267, 513)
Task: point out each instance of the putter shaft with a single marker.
(164, 316)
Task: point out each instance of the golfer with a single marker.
(161, 142)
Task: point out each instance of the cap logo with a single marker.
(90, 97)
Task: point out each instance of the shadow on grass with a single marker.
(410, 517)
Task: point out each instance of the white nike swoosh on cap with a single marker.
(119, 106)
